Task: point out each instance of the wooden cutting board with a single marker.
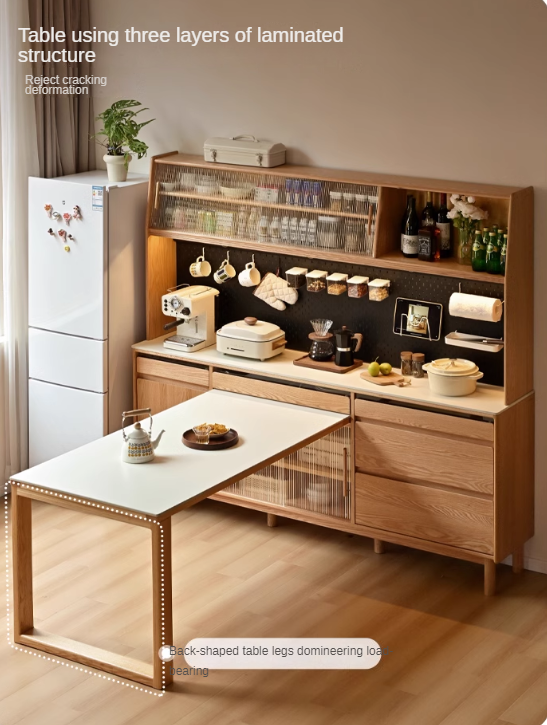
(391, 379)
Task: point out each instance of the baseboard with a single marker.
(538, 565)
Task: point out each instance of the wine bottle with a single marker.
(428, 214)
(409, 235)
(444, 225)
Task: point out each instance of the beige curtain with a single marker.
(64, 122)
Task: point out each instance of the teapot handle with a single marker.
(358, 337)
(134, 414)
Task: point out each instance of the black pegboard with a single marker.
(373, 319)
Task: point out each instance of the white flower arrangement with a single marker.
(465, 214)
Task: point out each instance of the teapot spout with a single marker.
(158, 439)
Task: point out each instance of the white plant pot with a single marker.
(116, 168)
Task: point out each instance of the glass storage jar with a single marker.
(328, 232)
(348, 202)
(337, 283)
(296, 277)
(378, 289)
(360, 203)
(406, 363)
(336, 200)
(316, 280)
(353, 232)
(357, 286)
(418, 359)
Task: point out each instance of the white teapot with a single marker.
(138, 445)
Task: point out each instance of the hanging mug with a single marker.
(224, 273)
(250, 276)
(200, 268)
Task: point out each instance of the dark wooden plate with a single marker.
(228, 440)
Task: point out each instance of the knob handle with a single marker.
(185, 311)
(250, 320)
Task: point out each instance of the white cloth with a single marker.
(275, 291)
(18, 161)
(474, 307)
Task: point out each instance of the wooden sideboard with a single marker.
(449, 475)
(452, 480)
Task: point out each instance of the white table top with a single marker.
(488, 400)
(180, 476)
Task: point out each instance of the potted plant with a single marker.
(121, 129)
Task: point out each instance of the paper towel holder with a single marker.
(460, 291)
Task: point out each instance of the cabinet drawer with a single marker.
(425, 513)
(160, 396)
(283, 393)
(172, 371)
(424, 420)
(409, 455)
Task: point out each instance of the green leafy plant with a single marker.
(121, 130)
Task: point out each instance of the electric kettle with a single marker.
(346, 344)
(138, 446)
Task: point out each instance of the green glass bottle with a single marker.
(493, 254)
(503, 254)
(478, 253)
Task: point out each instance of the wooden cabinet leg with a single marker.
(271, 520)
(518, 560)
(379, 546)
(489, 578)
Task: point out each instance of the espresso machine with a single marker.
(194, 309)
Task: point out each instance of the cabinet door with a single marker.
(160, 396)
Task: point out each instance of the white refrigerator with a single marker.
(86, 306)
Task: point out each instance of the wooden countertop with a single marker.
(488, 400)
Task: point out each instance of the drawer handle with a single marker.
(345, 476)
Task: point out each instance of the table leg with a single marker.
(26, 634)
(21, 523)
(162, 598)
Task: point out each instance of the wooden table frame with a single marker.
(156, 675)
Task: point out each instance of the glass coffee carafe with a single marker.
(322, 347)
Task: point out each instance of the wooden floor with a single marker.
(457, 658)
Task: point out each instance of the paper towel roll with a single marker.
(474, 307)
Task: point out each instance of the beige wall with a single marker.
(436, 88)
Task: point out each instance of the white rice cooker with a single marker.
(251, 338)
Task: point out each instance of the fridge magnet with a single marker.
(77, 212)
(62, 233)
(69, 236)
(56, 216)
(51, 232)
(67, 217)
(67, 248)
(48, 209)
